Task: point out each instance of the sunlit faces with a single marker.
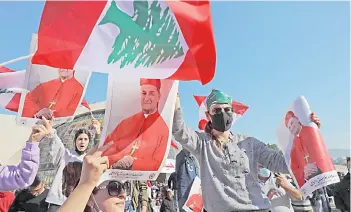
(65, 73)
(150, 96)
(107, 203)
(82, 142)
(294, 126)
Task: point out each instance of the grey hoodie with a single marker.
(229, 177)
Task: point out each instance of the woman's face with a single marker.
(82, 142)
(107, 203)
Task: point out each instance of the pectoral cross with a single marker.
(52, 103)
(134, 148)
(306, 157)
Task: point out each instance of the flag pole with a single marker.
(16, 60)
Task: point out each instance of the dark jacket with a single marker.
(172, 181)
(342, 194)
(168, 206)
(187, 170)
(25, 201)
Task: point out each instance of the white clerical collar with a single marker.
(146, 115)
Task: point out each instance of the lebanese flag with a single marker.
(11, 83)
(11, 86)
(239, 110)
(156, 39)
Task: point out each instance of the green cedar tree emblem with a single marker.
(146, 38)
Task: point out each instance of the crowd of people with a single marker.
(238, 173)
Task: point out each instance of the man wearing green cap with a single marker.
(228, 162)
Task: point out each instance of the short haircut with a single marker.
(36, 181)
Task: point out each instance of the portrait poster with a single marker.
(50, 92)
(139, 117)
(304, 149)
(194, 201)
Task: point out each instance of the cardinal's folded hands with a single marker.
(125, 163)
(46, 112)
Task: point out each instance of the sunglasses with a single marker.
(219, 110)
(114, 188)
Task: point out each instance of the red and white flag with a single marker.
(150, 39)
(239, 110)
(11, 86)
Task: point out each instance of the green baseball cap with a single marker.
(217, 97)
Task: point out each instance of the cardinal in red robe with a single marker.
(140, 141)
(59, 97)
(195, 202)
(308, 147)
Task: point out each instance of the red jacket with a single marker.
(6, 199)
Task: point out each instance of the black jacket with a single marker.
(25, 201)
(342, 194)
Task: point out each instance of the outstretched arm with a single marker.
(187, 137)
(22, 175)
(269, 158)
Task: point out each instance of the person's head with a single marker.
(219, 112)
(37, 187)
(149, 94)
(65, 74)
(263, 172)
(348, 163)
(81, 140)
(169, 194)
(110, 196)
(70, 177)
(292, 123)
(311, 170)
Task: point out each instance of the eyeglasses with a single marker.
(114, 188)
(219, 110)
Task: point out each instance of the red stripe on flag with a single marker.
(3, 69)
(194, 19)
(65, 27)
(199, 99)
(174, 145)
(13, 104)
(239, 108)
(85, 104)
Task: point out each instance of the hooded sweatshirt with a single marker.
(229, 177)
(61, 157)
(22, 175)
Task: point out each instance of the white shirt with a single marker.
(280, 201)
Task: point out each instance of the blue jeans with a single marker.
(128, 207)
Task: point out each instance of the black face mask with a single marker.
(222, 121)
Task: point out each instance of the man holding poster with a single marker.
(309, 156)
(59, 97)
(140, 141)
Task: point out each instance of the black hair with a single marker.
(77, 134)
(36, 181)
(81, 131)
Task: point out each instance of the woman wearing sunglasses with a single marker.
(109, 196)
(228, 162)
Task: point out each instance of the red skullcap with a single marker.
(288, 116)
(154, 82)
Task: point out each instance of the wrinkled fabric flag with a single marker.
(148, 39)
(239, 110)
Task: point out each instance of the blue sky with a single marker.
(268, 54)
